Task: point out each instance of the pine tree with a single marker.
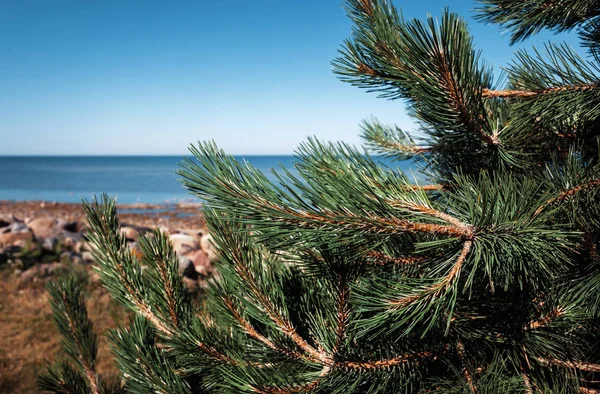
(351, 277)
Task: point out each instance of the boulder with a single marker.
(196, 233)
(15, 227)
(46, 227)
(208, 247)
(201, 262)
(7, 220)
(49, 244)
(73, 227)
(132, 232)
(87, 257)
(183, 243)
(16, 239)
(186, 268)
(71, 240)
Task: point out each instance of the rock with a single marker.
(15, 227)
(83, 247)
(196, 233)
(201, 262)
(16, 239)
(130, 233)
(87, 257)
(7, 220)
(183, 243)
(73, 227)
(70, 240)
(208, 247)
(46, 227)
(186, 268)
(49, 244)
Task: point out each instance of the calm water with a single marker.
(149, 179)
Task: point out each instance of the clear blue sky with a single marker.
(144, 77)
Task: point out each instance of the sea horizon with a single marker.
(130, 178)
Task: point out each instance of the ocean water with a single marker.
(132, 179)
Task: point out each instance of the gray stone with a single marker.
(49, 244)
(183, 243)
(208, 247)
(87, 257)
(186, 268)
(16, 228)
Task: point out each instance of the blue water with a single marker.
(148, 179)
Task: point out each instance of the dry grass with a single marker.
(28, 337)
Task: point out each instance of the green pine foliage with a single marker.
(351, 277)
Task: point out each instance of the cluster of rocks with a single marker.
(38, 246)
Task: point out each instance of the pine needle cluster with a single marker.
(347, 276)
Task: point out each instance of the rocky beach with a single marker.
(41, 241)
(37, 237)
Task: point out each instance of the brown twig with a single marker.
(544, 320)
(571, 364)
(297, 389)
(460, 350)
(380, 258)
(488, 93)
(370, 365)
(251, 331)
(567, 194)
(441, 285)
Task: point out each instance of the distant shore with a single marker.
(167, 215)
(40, 236)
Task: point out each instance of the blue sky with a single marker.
(143, 77)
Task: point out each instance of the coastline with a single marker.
(166, 215)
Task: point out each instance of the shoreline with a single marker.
(171, 216)
(37, 237)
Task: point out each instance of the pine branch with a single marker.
(121, 273)
(343, 314)
(416, 59)
(527, 382)
(567, 194)
(390, 142)
(439, 287)
(251, 331)
(527, 17)
(222, 180)
(233, 243)
(119, 268)
(79, 340)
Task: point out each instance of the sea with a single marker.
(132, 179)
